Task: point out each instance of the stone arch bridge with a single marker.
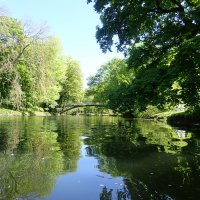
(73, 106)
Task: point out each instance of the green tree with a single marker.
(28, 65)
(161, 39)
(33, 70)
(111, 86)
(71, 84)
(44, 72)
(12, 48)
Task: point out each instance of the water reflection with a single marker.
(119, 194)
(155, 161)
(70, 142)
(30, 159)
(101, 158)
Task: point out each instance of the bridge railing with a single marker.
(76, 105)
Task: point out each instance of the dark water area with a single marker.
(97, 158)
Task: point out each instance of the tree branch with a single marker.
(20, 54)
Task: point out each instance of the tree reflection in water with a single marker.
(154, 159)
(119, 194)
(151, 160)
(30, 158)
(106, 194)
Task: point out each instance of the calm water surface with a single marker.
(97, 158)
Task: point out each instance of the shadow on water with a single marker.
(103, 158)
(156, 160)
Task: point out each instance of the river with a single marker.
(97, 158)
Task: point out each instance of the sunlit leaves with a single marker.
(111, 85)
(33, 68)
(71, 84)
(161, 41)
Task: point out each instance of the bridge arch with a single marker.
(73, 106)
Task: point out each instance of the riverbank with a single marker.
(9, 112)
(179, 118)
(184, 119)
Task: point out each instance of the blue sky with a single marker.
(73, 21)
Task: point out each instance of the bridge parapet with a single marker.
(73, 106)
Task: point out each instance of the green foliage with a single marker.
(10, 36)
(136, 21)
(47, 70)
(33, 72)
(149, 112)
(111, 86)
(161, 40)
(71, 84)
(187, 68)
(4, 111)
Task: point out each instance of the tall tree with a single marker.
(42, 72)
(111, 86)
(161, 39)
(71, 91)
(15, 45)
(11, 35)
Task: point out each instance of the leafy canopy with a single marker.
(161, 41)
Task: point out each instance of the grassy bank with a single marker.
(9, 112)
(154, 113)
